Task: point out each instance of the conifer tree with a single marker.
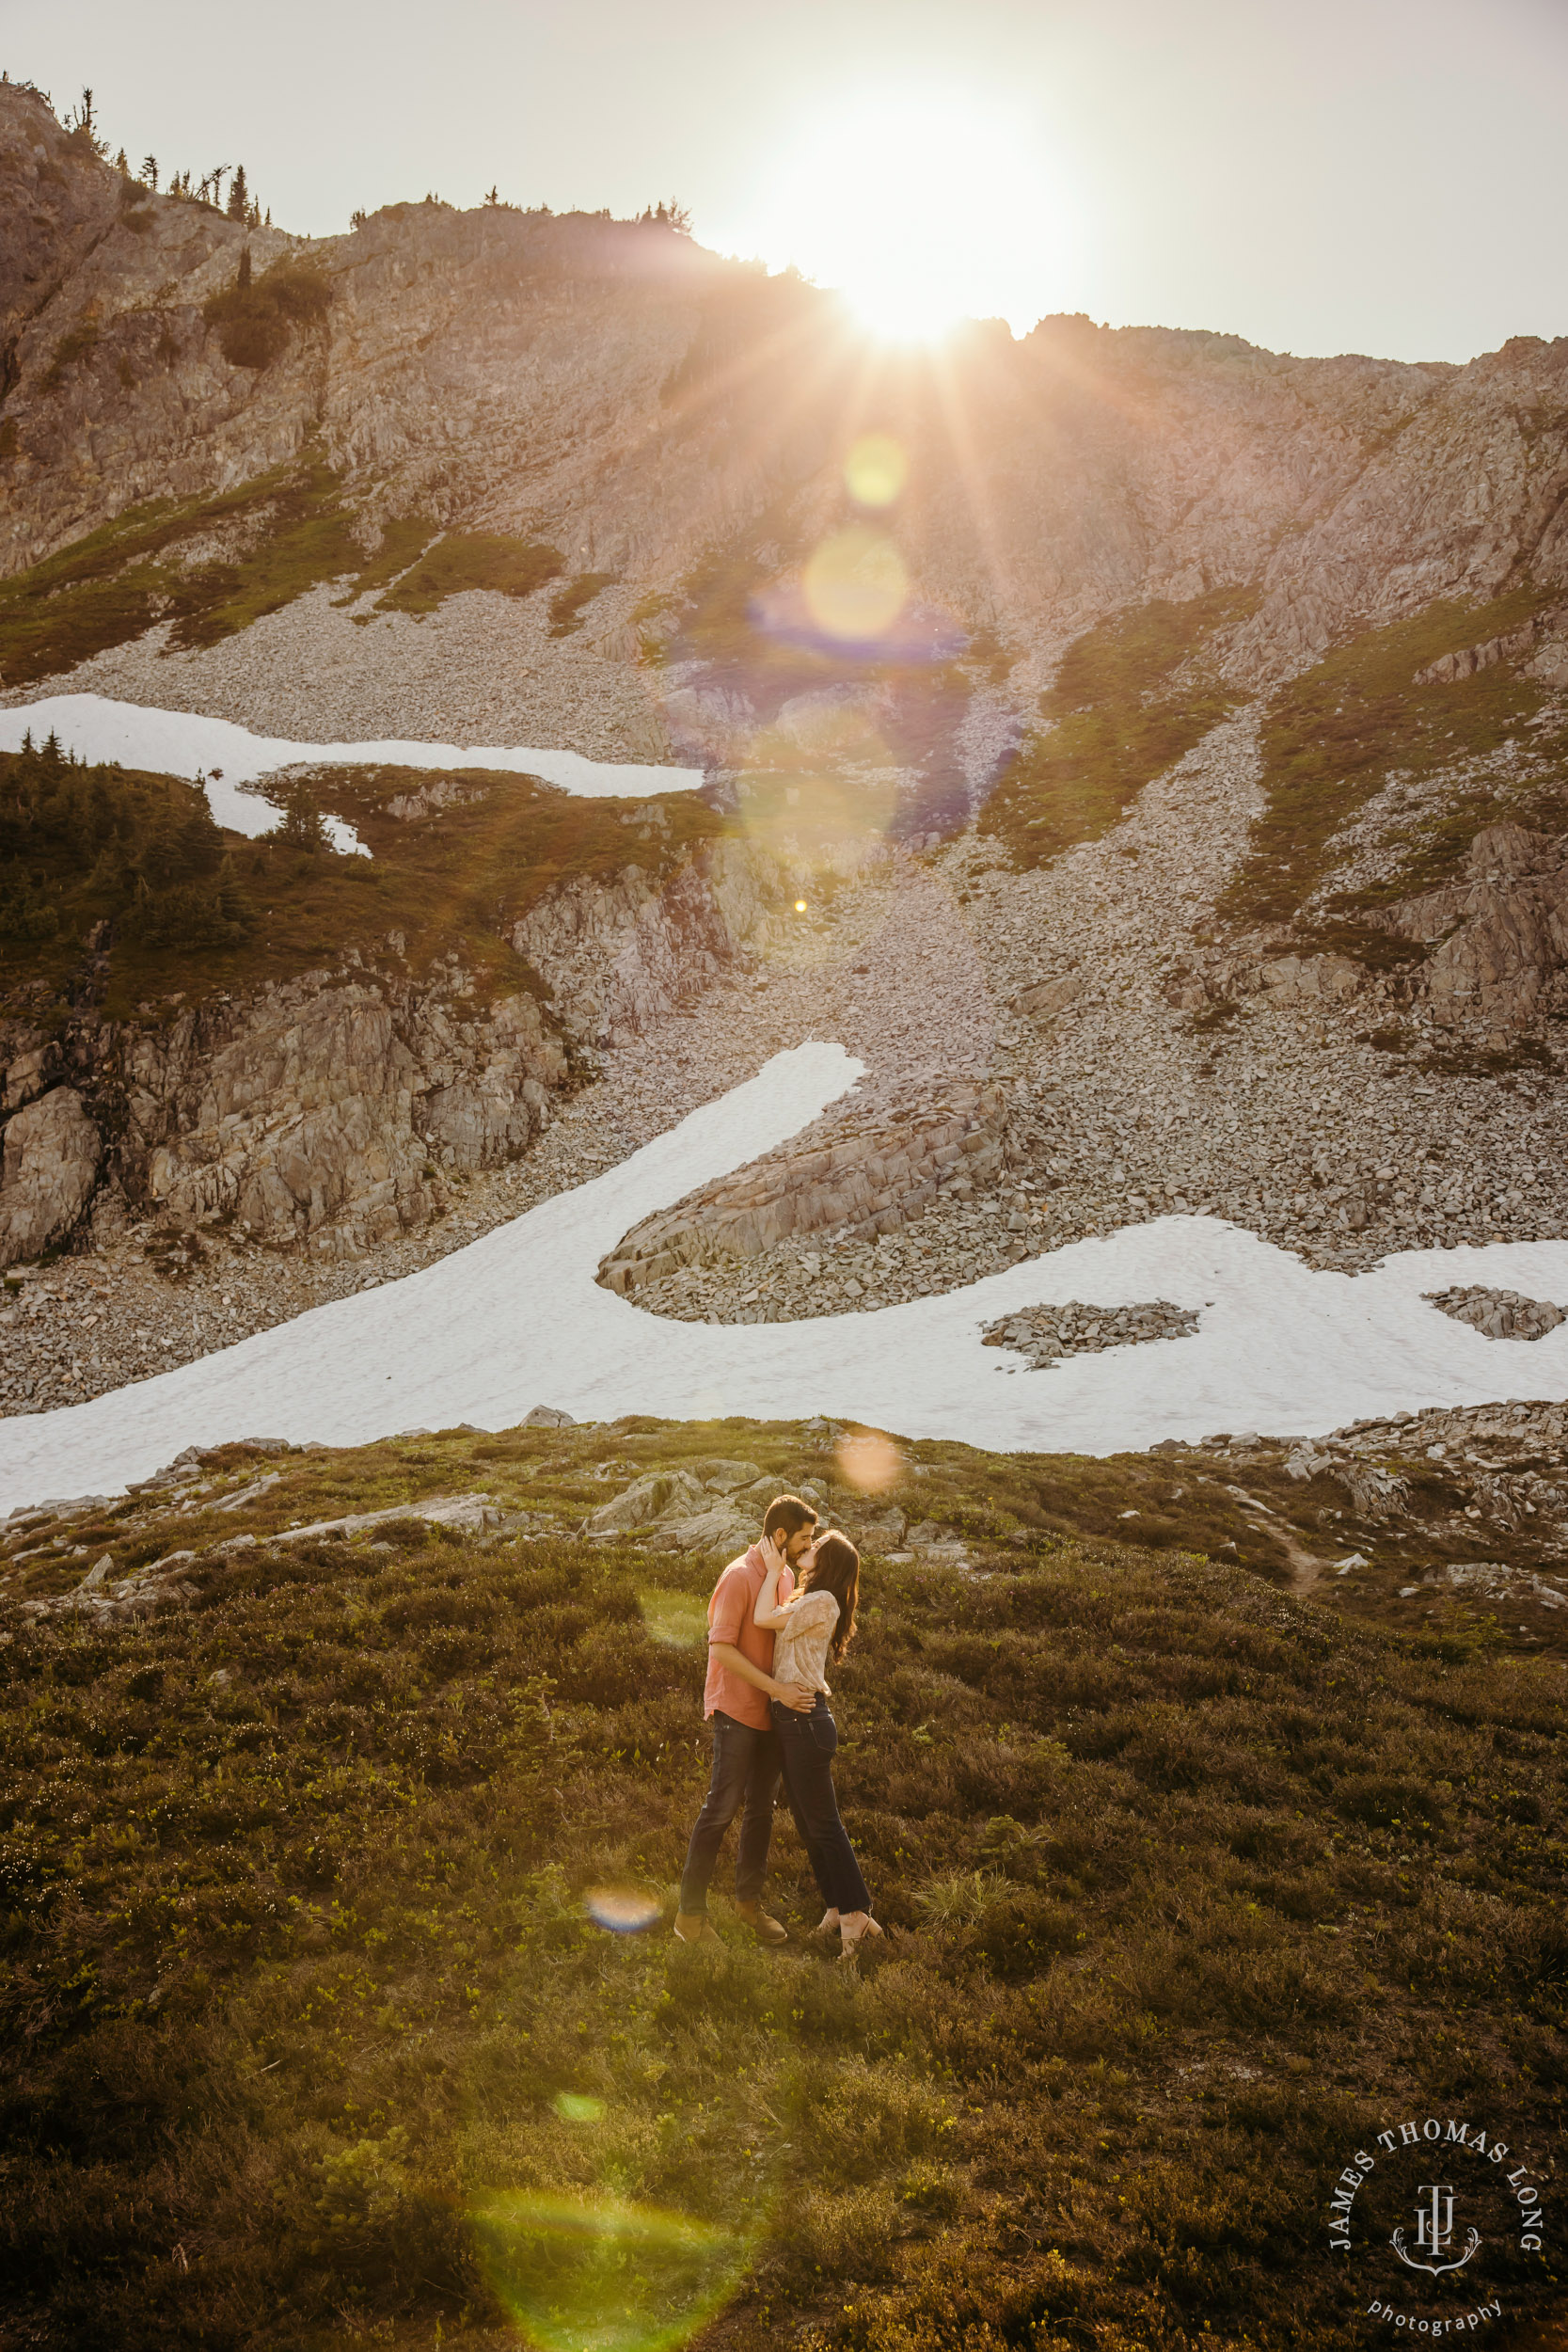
(83, 126)
(239, 194)
(149, 171)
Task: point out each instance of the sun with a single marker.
(921, 210)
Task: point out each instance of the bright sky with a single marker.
(1384, 176)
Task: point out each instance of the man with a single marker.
(746, 1759)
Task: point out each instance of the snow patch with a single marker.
(518, 1316)
(223, 757)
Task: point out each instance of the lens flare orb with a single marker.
(576, 2107)
(593, 2274)
(624, 1910)
(856, 585)
(868, 1461)
(876, 470)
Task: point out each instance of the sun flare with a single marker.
(922, 211)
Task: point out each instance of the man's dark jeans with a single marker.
(746, 1771)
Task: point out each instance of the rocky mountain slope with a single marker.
(611, 390)
(1186, 833)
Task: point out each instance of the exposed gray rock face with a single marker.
(29, 1065)
(1499, 940)
(321, 1116)
(52, 1152)
(618, 392)
(617, 957)
(865, 1175)
(324, 1113)
(1500, 1314)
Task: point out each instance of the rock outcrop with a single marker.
(618, 956)
(1540, 641)
(333, 1111)
(1300, 984)
(330, 1112)
(1499, 940)
(50, 1167)
(859, 1173)
(640, 403)
(329, 1117)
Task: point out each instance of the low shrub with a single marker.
(255, 318)
(311, 2024)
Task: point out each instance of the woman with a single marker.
(815, 1623)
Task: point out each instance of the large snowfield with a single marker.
(224, 756)
(518, 1319)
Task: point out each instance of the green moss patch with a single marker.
(1133, 695)
(325, 2015)
(468, 560)
(292, 531)
(569, 604)
(113, 586)
(197, 912)
(1335, 737)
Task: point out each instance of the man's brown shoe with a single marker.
(695, 1927)
(765, 1930)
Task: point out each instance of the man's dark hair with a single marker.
(786, 1515)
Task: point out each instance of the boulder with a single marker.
(1051, 997)
(661, 1494)
(1311, 979)
(1498, 941)
(724, 1476)
(722, 1529)
(47, 1174)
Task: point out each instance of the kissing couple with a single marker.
(779, 1615)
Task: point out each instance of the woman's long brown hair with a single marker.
(835, 1567)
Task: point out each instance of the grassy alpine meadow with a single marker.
(1132, 696)
(341, 2004)
(192, 909)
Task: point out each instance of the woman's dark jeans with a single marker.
(806, 1743)
(745, 1773)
